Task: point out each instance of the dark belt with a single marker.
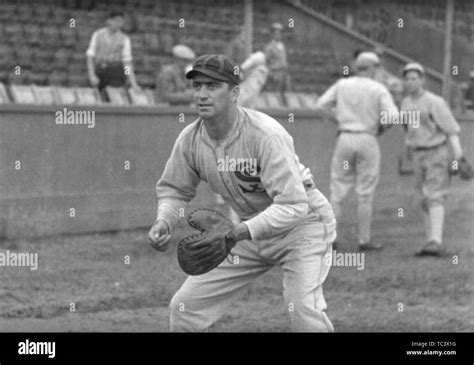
(428, 148)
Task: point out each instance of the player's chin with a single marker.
(206, 112)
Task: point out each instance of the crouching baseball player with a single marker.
(286, 221)
(431, 126)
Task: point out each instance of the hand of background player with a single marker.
(159, 236)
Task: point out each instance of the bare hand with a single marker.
(159, 236)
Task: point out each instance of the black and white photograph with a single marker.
(247, 168)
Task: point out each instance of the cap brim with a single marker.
(214, 75)
(405, 71)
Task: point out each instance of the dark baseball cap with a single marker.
(216, 66)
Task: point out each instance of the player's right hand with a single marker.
(159, 236)
(94, 80)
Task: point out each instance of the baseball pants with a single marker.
(356, 162)
(431, 173)
(305, 255)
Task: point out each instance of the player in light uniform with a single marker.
(286, 221)
(359, 102)
(428, 137)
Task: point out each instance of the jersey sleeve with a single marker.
(178, 182)
(328, 99)
(92, 45)
(281, 178)
(387, 105)
(442, 116)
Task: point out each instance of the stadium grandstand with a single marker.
(35, 39)
(49, 53)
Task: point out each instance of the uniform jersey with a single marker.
(255, 170)
(359, 103)
(429, 120)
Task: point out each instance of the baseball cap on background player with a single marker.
(183, 52)
(366, 59)
(277, 26)
(216, 66)
(414, 66)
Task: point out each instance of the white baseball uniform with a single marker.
(359, 102)
(291, 224)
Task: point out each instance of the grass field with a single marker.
(110, 294)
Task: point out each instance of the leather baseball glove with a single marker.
(202, 252)
(462, 168)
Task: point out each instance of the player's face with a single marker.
(115, 23)
(413, 82)
(212, 97)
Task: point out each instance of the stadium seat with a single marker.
(77, 80)
(24, 56)
(117, 95)
(43, 13)
(7, 56)
(33, 34)
(13, 31)
(58, 78)
(45, 95)
(152, 42)
(23, 94)
(68, 36)
(7, 11)
(62, 58)
(65, 95)
(24, 13)
(50, 35)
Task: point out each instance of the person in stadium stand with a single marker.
(109, 56)
(171, 83)
(277, 62)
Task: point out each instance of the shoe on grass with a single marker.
(432, 248)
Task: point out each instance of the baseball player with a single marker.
(285, 220)
(359, 104)
(430, 126)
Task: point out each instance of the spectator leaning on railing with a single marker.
(109, 56)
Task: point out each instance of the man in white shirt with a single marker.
(360, 102)
(109, 56)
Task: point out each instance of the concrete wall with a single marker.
(72, 166)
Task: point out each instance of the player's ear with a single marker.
(235, 90)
